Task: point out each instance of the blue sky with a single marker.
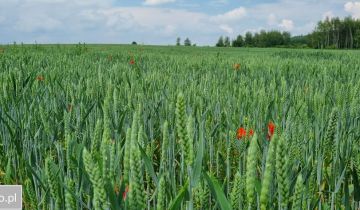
(159, 21)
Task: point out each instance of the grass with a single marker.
(81, 127)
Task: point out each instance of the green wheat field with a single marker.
(146, 127)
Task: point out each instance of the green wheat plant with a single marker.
(160, 127)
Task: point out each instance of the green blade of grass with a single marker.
(217, 192)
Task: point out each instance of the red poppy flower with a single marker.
(241, 132)
(125, 192)
(251, 132)
(40, 78)
(237, 66)
(271, 130)
(132, 62)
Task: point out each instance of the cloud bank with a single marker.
(157, 21)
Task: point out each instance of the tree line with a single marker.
(262, 39)
(187, 42)
(334, 33)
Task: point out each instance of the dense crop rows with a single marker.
(181, 128)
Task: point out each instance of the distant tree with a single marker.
(331, 33)
(248, 39)
(336, 33)
(299, 41)
(357, 38)
(286, 37)
(194, 45)
(238, 42)
(178, 40)
(275, 39)
(267, 39)
(220, 42)
(227, 42)
(187, 42)
(262, 39)
(256, 42)
(134, 43)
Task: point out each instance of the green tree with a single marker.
(256, 41)
(286, 37)
(220, 42)
(187, 42)
(178, 40)
(299, 41)
(336, 33)
(238, 42)
(227, 42)
(357, 38)
(248, 39)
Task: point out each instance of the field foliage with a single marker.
(140, 127)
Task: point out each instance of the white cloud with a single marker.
(353, 8)
(233, 15)
(157, 2)
(218, 2)
(169, 30)
(272, 20)
(153, 18)
(227, 29)
(286, 24)
(328, 14)
(105, 21)
(304, 28)
(73, 2)
(37, 23)
(304, 14)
